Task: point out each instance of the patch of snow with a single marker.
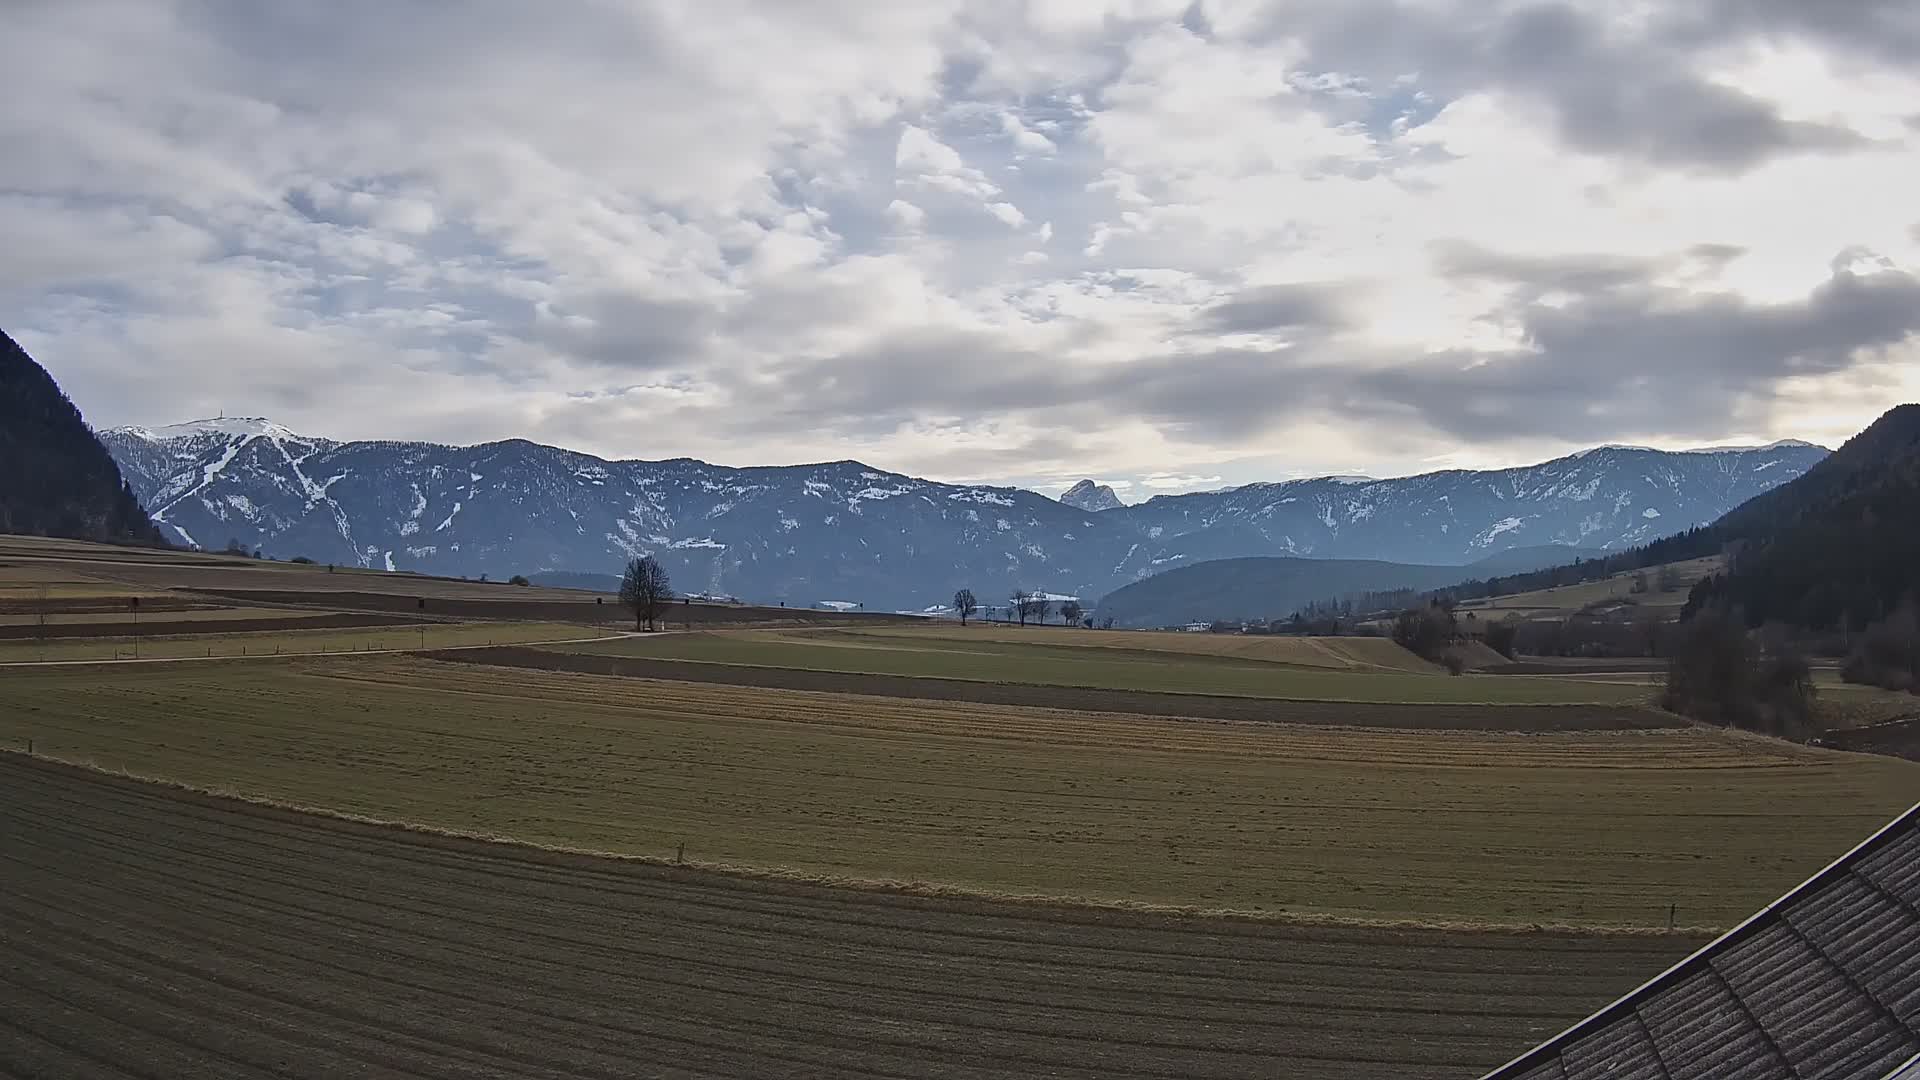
(184, 535)
(1765, 465)
(788, 524)
(456, 513)
(701, 542)
(1504, 525)
(839, 605)
(978, 495)
(389, 562)
(474, 478)
(1353, 480)
(1649, 513)
(880, 493)
(1154, 533)
(1002, 524)
(247, 427)
(242, 504)
(421, 552)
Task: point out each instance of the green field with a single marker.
(938, 654)
(1450, 826)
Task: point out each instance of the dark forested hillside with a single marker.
(55, 477)
(1263, 587)
(1839, 546)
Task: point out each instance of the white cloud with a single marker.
(1008, 213)
(906, 215)
(1292, 237)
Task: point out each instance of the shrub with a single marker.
(518, 579)
(1453, 662)
(1719, 675)
(302, 560)
(1500, 638)
(1888, 654)
(1424, 632)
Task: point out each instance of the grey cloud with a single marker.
(1574, 273)
(1264, 308)
(629, 331)
(1887, 30)
(1618, 361)
(1719, 254)
(1650, 361)
(1631, 96)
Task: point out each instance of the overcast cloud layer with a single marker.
(1163, 244)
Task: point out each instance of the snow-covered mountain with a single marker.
(845, 531)
(1089, 496)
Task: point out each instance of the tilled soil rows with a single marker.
(147, 931)
(343, 620)
(1537, 718)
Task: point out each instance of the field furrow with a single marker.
(182, 935)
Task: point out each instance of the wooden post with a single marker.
(1671, 909)
(29, 747)
(680, 856)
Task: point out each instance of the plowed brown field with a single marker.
(147, 932)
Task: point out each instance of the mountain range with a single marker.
(845, 531)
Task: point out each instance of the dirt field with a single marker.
(1519, 718)
(1464, 827)
(335, 632)
(158, 934)
(227, 623)
(862, 653)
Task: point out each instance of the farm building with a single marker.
(1824, 982)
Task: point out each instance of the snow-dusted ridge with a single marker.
(848, 530)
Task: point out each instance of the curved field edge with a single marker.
(173, 935)
(1039, 664)
(1606, 828)
(1424, 715)
(1060, 905)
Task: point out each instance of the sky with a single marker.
(1165, 245)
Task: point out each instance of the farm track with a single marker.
(1531, 718)
(147, 931)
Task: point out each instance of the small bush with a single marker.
(1500, 638)
(1453, 662)
(518, 579)
(302, 560)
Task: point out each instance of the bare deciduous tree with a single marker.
(1042, 607)
(1070, 612)
(964, 603)
(1022, 604)
(646, 589)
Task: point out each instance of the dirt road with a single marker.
(150, 932)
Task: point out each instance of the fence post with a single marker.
(680, 856)
(1671, 909)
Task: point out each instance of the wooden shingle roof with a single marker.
(1823, 983)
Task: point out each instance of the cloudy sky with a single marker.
(1165, 244)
